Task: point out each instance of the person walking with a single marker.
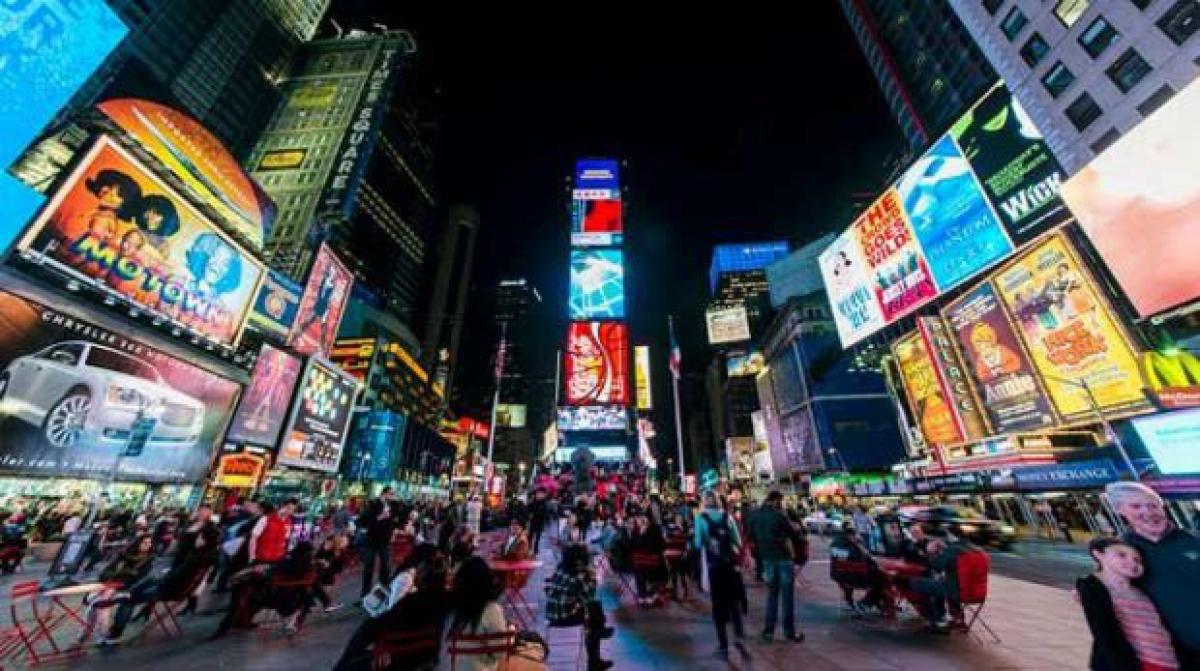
(538, 512)
(772, 534)
(718, 540)
(378, 522)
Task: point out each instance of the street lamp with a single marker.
(1108, 429)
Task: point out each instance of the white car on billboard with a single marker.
(82, 394)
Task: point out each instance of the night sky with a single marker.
(733, 129)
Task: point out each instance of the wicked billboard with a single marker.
(116, 228)
(76, 398)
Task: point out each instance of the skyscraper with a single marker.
(348, 160)
(1087, 72)
(738, 276)
(448, 297)
(926, 63)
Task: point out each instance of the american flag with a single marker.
(675, 359)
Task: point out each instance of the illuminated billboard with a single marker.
(1004, 377)
(641, 377)
(927, 399)
(274, 310)
(117, 227)
(592, 418)
(848, 283)
(597, 178)
(322, 304)
(597, 284)
(953, 376)
(596, 222)
(263, 406)
(48, 49)
(1013, 163)
(320, 416)
(727, 325)
(510, 415)
(899, 270)
(1142, 194)
(211, 174)
(1171, 439)
(597, 363)
(1071, 333)
(744, 364)
(74, 395)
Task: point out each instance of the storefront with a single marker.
(238, 473)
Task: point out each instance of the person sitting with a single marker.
(914, 549)
(475, 610)
(647, 542)
(516, 546)
(253, 591)
(852, 567)
(462, 546)
(423, 605)
(123, 577)
(330, 560)
(940, 588)
(571, 602)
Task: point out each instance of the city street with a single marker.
(1040, 628)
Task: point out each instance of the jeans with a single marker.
(780, 577)
(726, 585)
(934, 591)
(145, 591)
(536, 538)
(370, 554)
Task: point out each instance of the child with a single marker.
(1127, 631)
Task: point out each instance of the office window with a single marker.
(1069, 11)
(1156, 100)
(1035, 50)
(1098, 36)
(1104, 141)
(1013, 22)
(1083, 111)
(992, 5)
(1181, 20)
(1058, 79)
(1129, 69)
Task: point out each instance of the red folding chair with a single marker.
(162, 612)
(648, 563)
(621, 581)
(972, 570)
(31, 628)
(408, 646)
(480, 645)
(305, 583)
(675, 556)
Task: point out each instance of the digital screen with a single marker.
(264, 404)
(563, 455)
(275, 307)
(320, 416)
(510, 415)
(592, 418)
(597, 284)
(596, 216)
(48, 49)
(602, 174)
(75, 395)
(848, 283)
(726, 325)
(1147, 178)
(322, 304)
(282, 159)
(119, 228)
(597, 363)
(950, 215)
(1171, 440)
(211, 174)
(641, 376)
(1071, 333)
(744, 364)
(1017, 170)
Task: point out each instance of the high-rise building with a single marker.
(448, 297)
(927, 65)
(218, 61)
(348, 160)
(738, 277)
(518, 305)
(1087, 72)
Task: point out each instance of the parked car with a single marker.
(824, 523)
(963, 522)
(80, 393)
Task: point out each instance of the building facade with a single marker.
(1087, 72)
(448, 297)
(925, 61)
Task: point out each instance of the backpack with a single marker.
(719, 544)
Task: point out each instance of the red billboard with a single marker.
(322, 304)
(597, 363)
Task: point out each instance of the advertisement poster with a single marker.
(74, 396)
(950, 215)
(1004, 377)
(597, 363)
(744, 364)
(197, 157)
(320, 416)
(847, 281)
(928, 401)
(1072, 335)
(1017, 170)
(261, 411)
(511, 415)
(322, 304)
(739, 455)
(727, 325)
(955, 379)
(239, 470)
(1171, 439)
(1148, 177)
(275, 308)
(592, 418)
(641, 377)
(902, 281)
(119, 228)
(597, 284)
(601, 175)
(376, 442)
(801, 443)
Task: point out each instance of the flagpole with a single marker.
(500, 352)
(675, 391)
